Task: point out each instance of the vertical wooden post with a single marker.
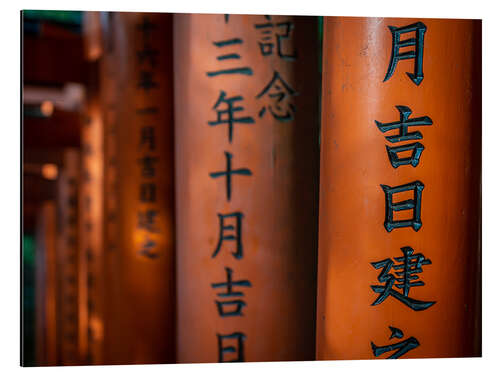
(67, 258)
(246, 99)
(92, 251)
(46, 286)
(144, 269)
(367, 241)
(108, 79)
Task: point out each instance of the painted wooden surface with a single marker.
(269, 214)
(354, 165)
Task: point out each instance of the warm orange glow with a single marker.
(47, 108)
(97, 328)
(49, 171)
(94, 52)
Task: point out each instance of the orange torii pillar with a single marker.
(247, 149)
(399, 228)
(46, 286)
(92, 284)
(138, 104)
(67, 258)
(108, 88)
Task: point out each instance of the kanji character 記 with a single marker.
(273, 36)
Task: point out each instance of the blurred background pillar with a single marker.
(108, 94)
(246, 116)
(407, 274)
(46, 286)
(92, 250)
(139, 158)
(119, 76)
(67, 258)
(54, 75)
